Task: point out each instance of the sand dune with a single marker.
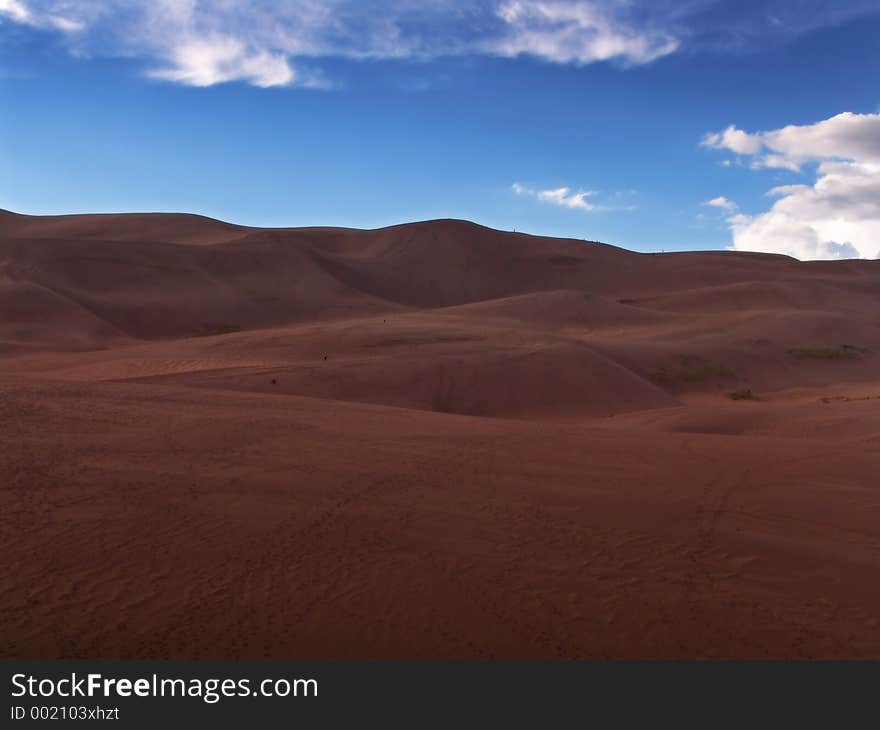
(167, 228)
(430, 440)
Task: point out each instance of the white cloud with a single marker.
(733, 139)
(266, 42)
(846, 136)
(575, 32)
(209, 61)
(779, 162)
(567, 199)
(208, 42)
(14, 10)
(66, 24)
(564, 197)
(273, 42)
(838, 216)
(721, 202)
(18, 12)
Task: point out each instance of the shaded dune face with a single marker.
(434, 440)
(89, 282)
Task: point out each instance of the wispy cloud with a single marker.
(275, 42)
(588, 201)
(214, 60)
(722, 203)
(838, 215)
(18, 12)
(15, 10)
(267, 42)
(567, 32)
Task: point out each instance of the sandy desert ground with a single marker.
(430, 441)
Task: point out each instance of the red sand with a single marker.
(434, 440)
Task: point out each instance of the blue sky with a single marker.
(650, 125)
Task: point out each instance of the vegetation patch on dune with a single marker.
(848, 399)
(743, 394)
(843, 352)
(691, 369)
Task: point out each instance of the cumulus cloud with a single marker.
(564, 197)
(733, 139)
(845, 136)
(838, 215)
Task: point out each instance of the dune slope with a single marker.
(430, 440)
